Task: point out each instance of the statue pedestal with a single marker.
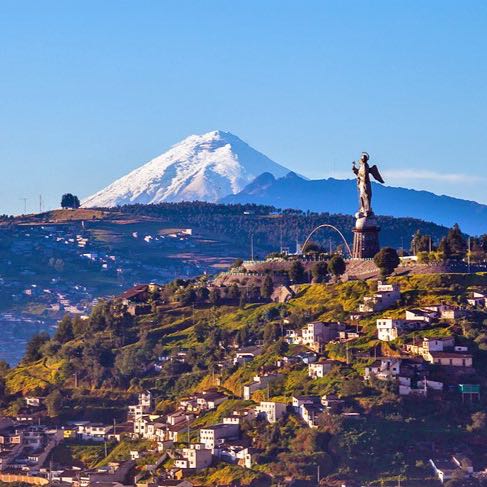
(366, 237)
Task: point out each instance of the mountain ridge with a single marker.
(220, 167)
(340, 196)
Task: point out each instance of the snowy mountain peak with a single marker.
(201, 167)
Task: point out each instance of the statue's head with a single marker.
(364, 157)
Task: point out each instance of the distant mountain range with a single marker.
(220, 167)
(201, 167)
(340, 196)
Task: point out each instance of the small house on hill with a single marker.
(136, 294)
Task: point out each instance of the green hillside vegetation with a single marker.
(98, 365)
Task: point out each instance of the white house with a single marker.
(271, 411)
(195, 457)
(246, 354)
(314, 334)
(319, 369)
(259, 382)
(143, 406)
(439, 344)
(477, 299)
(212, 436)
(383, 369)
(421, 314)
(93, 431)
(388, 329)
(387, 295)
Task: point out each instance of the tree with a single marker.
(234, 292)
(237, 263)
(337, 266)
(202, 294)
(296, 272)
(319, 271)
(313, 248)
(456, 242)
(444, 248)
(267, 287)
(352, 387)
(200, 331)
(271, 333)
(188, 296)
(54, 403)
(64, 332)
(69, 200)
(386, 260)
(32, 351)
(214, 296)
(421, 243)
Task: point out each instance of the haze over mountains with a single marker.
(219, 166)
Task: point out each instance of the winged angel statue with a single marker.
(363, 183)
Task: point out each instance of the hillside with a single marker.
(272, 227)
(340, 196)
(187, 342)
(64, 260)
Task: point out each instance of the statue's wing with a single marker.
(375, 172)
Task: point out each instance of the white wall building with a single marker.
(271, 411)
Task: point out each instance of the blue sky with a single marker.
(92, 89)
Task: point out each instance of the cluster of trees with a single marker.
(453, 245)
(69, 200)
(271, 227)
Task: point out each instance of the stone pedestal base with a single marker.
(366, 237)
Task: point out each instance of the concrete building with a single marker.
(387, 295)
(451, 359)
(314, 334)
(271, 411)
(383, 369)
(389, 329)
(215, 435)
(319, 369)
(195, 457)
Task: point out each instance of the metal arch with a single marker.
(327, 225)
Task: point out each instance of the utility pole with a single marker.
(468, 255)
(252, 247)
(25, 205)
(40, 203)
(281, 237)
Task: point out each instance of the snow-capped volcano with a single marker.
(201, 167)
